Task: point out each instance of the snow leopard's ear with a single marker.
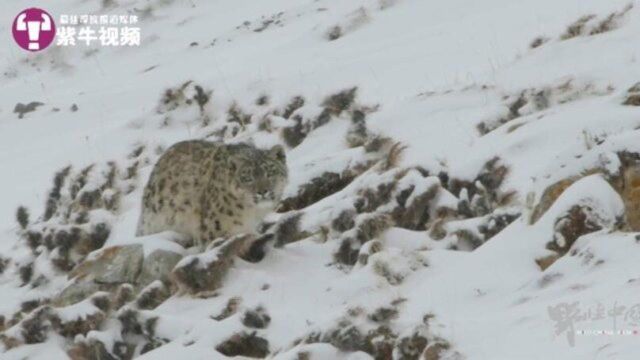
(277, 152)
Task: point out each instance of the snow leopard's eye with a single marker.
(270, 169)
(245, 175)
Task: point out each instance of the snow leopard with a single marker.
(208, 190)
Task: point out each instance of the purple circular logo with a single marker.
(34, 29)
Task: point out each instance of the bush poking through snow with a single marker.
(295, 104)
(4, 262)
(201, 97)
(588, 25)
(123, 294)
(576, 222)
(318, 188)
(54, 194)
(205, 272)
(383, 268)
(300, 127)
(153, 295)
(230, 309)
(92, 349)
(411, 347)
(357, 134)
(294, 134)
(22, 109)
(256, 318)
(414, 215)
(244, 344)
(236, 115)
(288, 230)
(383, 314)
(341, 101)
(22, 217)
(539, 41)
(344, 221)
(535, 100)
(334, 33)
(172, 98)
(72, 325)
(577, 28)
(33, 329)
(370, 226)
(347, 253)
(26, 273)
(184, 96)
(393, 157)
(367, 250)
(380, 340)
(436, 350)
(262, 100)
(633, 96)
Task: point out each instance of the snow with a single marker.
(434, 71)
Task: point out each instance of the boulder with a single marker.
(549, 196)
(111, 267)
(626, 183)
(588, 205)
(157, 266)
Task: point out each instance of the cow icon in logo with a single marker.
(34, 29)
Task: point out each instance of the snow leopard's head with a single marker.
(262, 173)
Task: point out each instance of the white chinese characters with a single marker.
(103, 30)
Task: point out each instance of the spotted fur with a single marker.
(209, 189)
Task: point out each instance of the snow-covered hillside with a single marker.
(463, 182)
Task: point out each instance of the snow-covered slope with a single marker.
(461, 173)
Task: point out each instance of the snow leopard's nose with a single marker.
(264, 194)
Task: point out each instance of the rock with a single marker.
(588, 205)
(627, 185)
(158, 266)
(114, 265)
(75, 292)
(111, 267)
(546, 261)
(549, 196)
